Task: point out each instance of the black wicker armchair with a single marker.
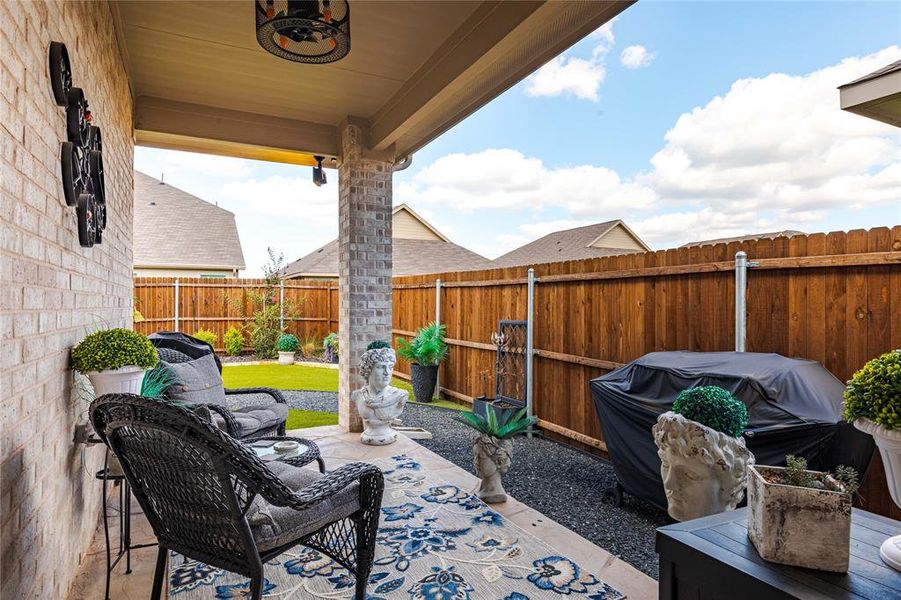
(176, 348)
(210, 498)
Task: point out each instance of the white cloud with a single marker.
(571, 76)
(635, 57)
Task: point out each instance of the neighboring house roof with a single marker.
(890, 68)
(417, 248)
(745, 238)
(876, 95)
(590, 241)
(174, 229)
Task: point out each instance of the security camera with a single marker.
(319, 172)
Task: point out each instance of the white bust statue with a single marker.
(378, 402)
(704, 471)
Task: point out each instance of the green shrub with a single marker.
(427, 348)
(874, 392)
(287, 343)
(714, 407)
(205, 335)
(113, 349)
(265, 331)
(234, 341)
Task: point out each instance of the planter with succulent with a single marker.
(492, 448)
(330, 347)
(425, 352)
(873, 404)
(287, 346)
(703, 458)
(799, 517)
(114, 360)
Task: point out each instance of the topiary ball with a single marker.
(287, 343)
(874, 392)
(113, 349)
(714, 407)
(378, 344)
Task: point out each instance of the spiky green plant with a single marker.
(427, 348)
(157, 381)
(491, 425)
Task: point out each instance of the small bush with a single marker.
(287, 343)
(205, 335)
(874, 392)
(714, 407)
(113, 349)
(234, 341)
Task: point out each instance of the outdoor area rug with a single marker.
(435, 542)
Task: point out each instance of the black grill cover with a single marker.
(184, 343)
(794, 407)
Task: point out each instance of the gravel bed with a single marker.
(563, 483)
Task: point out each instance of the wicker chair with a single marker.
(201, 491)
(232, 425)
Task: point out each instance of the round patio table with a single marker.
(305, 453)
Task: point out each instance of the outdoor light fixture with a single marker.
(306, 31)
(319, 172)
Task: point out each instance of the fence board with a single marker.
(830, 297)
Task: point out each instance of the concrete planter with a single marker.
(889, 443)
(797, 526)
(286, 358)
(491, 458)
(126, 380)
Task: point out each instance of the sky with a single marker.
(687, 120)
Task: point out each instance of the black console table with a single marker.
(712, 558)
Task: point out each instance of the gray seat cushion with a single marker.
(255, 418)
(199, 382)
(273, 526)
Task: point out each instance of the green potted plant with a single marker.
(114, 360)
(492, 448)
(703, 458)
(287, 346)
(799, 517)
(330, 347)
(873, 404)
(425, 352)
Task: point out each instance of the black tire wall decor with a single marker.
(81, 155)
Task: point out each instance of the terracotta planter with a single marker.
(889, 443)
(286, 358)
(491, 458)
(126, 380)
(423, 380)
(797, 526)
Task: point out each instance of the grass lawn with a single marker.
(300, 419)
(301, 377)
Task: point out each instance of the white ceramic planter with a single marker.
(286, 358)
(126, 380)
(797, 526)
(889, 443)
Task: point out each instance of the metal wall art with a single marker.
(81, 156)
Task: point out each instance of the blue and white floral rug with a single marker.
(435, 542)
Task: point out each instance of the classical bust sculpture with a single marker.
(704, 471)
(378, 402)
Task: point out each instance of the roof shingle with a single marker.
(569, 244)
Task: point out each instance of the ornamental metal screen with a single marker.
(510, 365)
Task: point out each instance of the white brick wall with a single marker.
(364, 263)
(53, 291)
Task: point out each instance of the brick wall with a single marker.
(54, 291)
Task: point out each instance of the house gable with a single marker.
(621, 237)
(407, 225)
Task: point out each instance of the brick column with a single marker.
(364, 261)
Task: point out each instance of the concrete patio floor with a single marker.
(338, 448)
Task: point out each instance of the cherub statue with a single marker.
(378, 402)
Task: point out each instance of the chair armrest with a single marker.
(330, 484)
(231, 424)
(277, 395)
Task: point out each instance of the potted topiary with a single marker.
(703, 458)
(287, 346)
(873, 404)
(424, 352)
(114, 360)
(799, 517)
(492, 448)
(330, 347)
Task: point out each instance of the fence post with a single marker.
(281, 304)
(742, 264)
(530, 339)
(438, 322)
(176, 303)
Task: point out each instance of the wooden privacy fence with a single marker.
(834, 298)
(217, 304)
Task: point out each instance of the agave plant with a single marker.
(492, 426)
(427, 347)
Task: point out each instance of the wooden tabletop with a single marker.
(724, 539)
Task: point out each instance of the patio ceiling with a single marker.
(202, 83)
